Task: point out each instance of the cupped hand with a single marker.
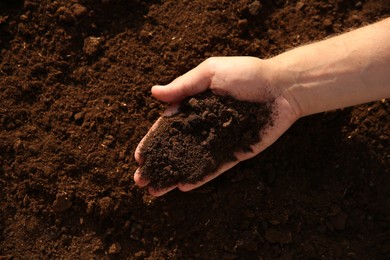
(243, 78)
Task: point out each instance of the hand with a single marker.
(243, 78)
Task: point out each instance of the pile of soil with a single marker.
(192, 143)
(75, 78)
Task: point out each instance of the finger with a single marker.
(171, 110)
(138, 155)
(219, 171)
(242, 156)
(193, 82)
(138, 151)
(139, 180)
(160, 192)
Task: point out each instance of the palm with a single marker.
(243, 78)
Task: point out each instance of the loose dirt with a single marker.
(205, 133)
(75, 78)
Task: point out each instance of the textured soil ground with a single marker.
(75, 80)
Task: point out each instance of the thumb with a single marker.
(191, 83)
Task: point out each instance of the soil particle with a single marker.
(242, 25)
(92, 45)
(28, 4)
(136, 230)
(90, 207)
(106, 205)
(203, 125)
(254, 8)
(65, 15)
(327, 23)
(79, 10)
(278, 236)
(62, 202)
(299, 5)
(115, 248)
(338, 221)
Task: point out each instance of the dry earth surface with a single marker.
(75, 80)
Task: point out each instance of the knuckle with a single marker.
(211, 65)
(211, 62)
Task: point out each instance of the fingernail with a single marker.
(158, 86)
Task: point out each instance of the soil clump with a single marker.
(204, 134)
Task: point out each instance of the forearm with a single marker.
(345, 70)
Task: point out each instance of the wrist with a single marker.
(338, 72)
(283, 84)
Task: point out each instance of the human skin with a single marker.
(346, 70)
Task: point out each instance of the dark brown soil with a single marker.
(204, 134)
(75, 78)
